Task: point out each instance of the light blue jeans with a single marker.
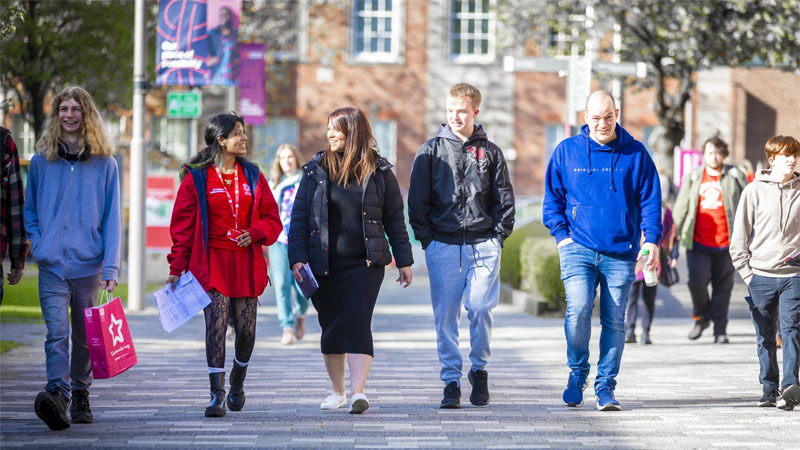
(582, 270)
(469, 273)
(57, 297)
(282, 279)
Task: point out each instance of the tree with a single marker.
(89, 43)
(676, 38)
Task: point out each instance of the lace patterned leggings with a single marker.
(244, 322)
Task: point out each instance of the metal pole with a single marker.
(136, 232)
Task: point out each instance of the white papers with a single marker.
(176, 307)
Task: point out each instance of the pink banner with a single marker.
(252, 77)
(690, 159)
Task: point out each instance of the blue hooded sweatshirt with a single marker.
(72, 215)
(603, 196)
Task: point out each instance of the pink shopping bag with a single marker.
(110, 345)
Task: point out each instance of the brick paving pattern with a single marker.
(674, 394)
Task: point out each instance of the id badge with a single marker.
(234, 234)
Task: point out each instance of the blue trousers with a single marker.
(769, 298)
(582, 270)
(468, 273)
(57, 297)
(283, 281)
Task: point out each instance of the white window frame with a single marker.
(395, 35)
(464, 16)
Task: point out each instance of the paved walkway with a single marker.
(675, 393)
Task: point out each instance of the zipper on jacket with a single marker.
(574, 212)
(364, 216)
(66, 209)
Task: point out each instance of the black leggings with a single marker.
(244, 322)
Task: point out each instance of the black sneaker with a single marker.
(790, 398)
(51, 407)
(79, 409)
(699, 326)
(630, 338)
(452, 396)
(479, 379)
(721, 339)
(768, 399)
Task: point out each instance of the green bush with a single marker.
(510, 268)
(541, 272)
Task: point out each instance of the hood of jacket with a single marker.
(603, 196)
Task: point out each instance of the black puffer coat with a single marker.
(382, 213)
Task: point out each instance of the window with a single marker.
(471, 30)
(268, 137)
(24, 137)
(554, 134)
(376, 30)
(171, 136)
(646, 132)
(385, 134)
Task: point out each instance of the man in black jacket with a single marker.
(461, 207)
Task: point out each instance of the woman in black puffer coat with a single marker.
(348, 202)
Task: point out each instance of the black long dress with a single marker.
(346, 298)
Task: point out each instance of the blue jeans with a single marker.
(281, 276)
(770, 297)
(57, 297)
(582, 270)
(470, 273)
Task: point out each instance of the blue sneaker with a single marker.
(573, 394)
(606, 400)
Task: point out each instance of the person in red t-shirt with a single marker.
(223, 214)
(703, 214)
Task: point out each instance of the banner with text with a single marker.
(197, 42)
(252, 94)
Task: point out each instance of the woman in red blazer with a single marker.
(223, 214)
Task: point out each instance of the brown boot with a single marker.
(299, 327)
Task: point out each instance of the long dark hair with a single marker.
(219, 126)
(360, 147)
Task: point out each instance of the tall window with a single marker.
(471, 30)
(268, 137)
(376, 30)
(385, 133)
(553, 135)
(24, 137)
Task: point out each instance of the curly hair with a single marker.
(275, 170)
(93, 133)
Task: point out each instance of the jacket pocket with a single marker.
(604, 228)
(86, 244)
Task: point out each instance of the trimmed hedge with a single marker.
(510, 267)
(541, 272)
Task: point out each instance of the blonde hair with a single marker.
(275, 170)
(92, 131)
(460, 90)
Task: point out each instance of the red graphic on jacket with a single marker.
(479, 153)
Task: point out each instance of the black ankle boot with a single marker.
(236, 395)
(217, 406)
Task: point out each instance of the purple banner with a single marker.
(197, 42)
(252, 77)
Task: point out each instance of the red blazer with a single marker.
(189, 225)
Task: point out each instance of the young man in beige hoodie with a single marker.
(765, 249)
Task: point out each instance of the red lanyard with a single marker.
(234, 206)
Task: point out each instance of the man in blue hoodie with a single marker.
(601, 192)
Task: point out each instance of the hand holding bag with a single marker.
(669, 275)
(108, 337)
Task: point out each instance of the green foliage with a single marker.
(510, 268)
(541, 272)
(7, 345)
(60, 43)
(21, 301)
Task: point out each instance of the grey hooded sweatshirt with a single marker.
(766, 229)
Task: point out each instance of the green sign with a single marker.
(184, 105)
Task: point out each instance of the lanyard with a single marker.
(234, 206)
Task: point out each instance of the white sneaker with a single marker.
(288, 336)
(358, 404)
(333, 401)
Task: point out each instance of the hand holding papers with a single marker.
(176, 307)
(309, 284)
